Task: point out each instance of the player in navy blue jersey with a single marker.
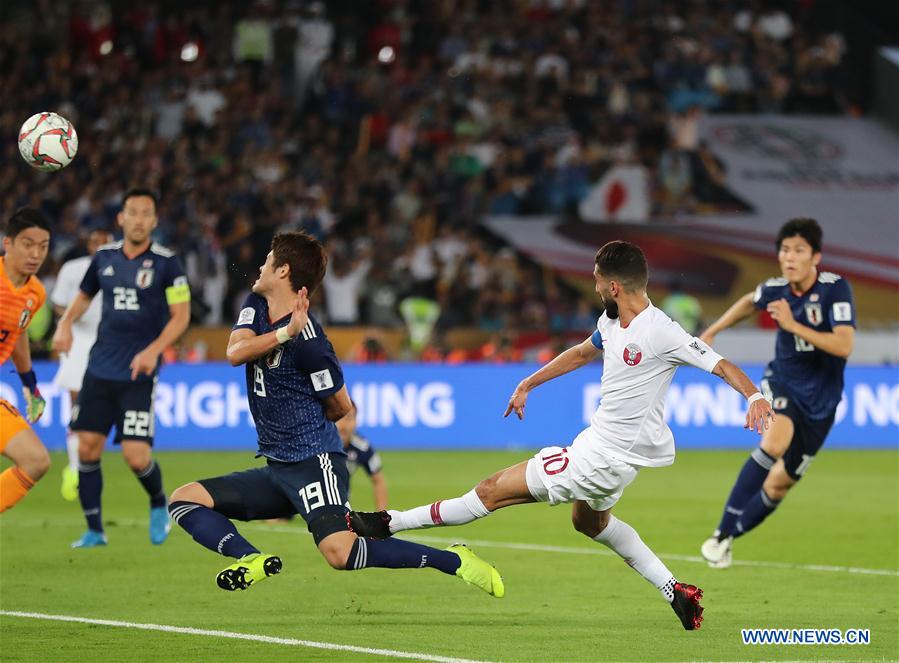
(804, 382)
(296, 392)
(146, 307)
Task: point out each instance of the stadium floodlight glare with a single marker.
(106, 47)
(189, 52)
(386, 55)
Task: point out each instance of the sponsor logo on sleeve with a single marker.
(247, 315)
(696, 346)
(842, 312)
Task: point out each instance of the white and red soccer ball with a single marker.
(48, 141)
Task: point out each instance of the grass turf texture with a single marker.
(558, 606)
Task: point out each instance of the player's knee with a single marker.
(192, 492)
(36, 462)
(336, 554)
(589, 524)
(776, 490)
(486, 491)
(89, 451)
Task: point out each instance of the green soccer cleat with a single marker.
(69, 488)
(248, 570)
(475, 571)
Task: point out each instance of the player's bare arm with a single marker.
(62, 339)
(573, 358)
(338, 405)
(145, 361)
(839, 342)
(759, 415)
(739, 310)
(245, 346)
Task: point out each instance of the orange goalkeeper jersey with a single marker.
(17, 308)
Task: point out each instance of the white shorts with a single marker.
(71, 371)
(579, 472)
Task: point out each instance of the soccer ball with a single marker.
(48, 141)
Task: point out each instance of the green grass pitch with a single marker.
(577, 603)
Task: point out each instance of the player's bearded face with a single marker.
(605, 293)
(138, 219)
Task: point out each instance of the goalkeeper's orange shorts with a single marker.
(11, 423)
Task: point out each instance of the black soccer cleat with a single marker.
(686, 605)
(371, 524)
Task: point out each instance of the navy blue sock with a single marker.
(756, 510)
(151, 479)
(90, 488)
(211, 529)
(399, 554)
(749, 482)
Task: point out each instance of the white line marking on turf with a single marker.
(291, 642)
(571, 550)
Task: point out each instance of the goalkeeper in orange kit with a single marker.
(25, 245)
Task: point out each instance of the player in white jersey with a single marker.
(73, 363)
(643, 347)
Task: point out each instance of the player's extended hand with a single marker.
(782, 314)
(517, 402)
(62, 339)
(144, 363)
(34, 404)
(299, 317)
(759, 416)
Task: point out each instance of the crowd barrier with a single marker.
(426, 406)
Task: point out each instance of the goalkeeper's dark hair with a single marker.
(623, 262)
(305, 256)
(804, 227)
(25, 218)
(139, 191)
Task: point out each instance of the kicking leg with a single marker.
(69, 487)
(505, 488)
(604, 528)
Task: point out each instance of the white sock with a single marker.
(456, 511)
(624, 540)
(72, 449)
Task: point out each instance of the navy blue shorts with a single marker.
(808, 434)
(316, 488)
(103, 404)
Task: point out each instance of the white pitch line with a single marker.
(571, 550)
(290, 642)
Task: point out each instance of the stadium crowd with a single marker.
(388, 129)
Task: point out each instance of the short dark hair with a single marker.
(625, 263)
(25, 218)
(136, 191)
(806, 228)
(304, 255)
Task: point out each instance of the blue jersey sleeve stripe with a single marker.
(596, 339)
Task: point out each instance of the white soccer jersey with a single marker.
(638, 365)
(84, 332)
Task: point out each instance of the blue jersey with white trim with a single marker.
(286, 387)
(360, 453)
(811, 376)
(135, 305)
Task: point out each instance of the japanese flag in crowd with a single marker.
(621, 195)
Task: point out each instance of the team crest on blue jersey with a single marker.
(814, 314)
(273, 360)
(144, 278)
(632, 354)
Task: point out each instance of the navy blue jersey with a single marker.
(136, 297)
(812, 377)
(286, 388)
(360, 453)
